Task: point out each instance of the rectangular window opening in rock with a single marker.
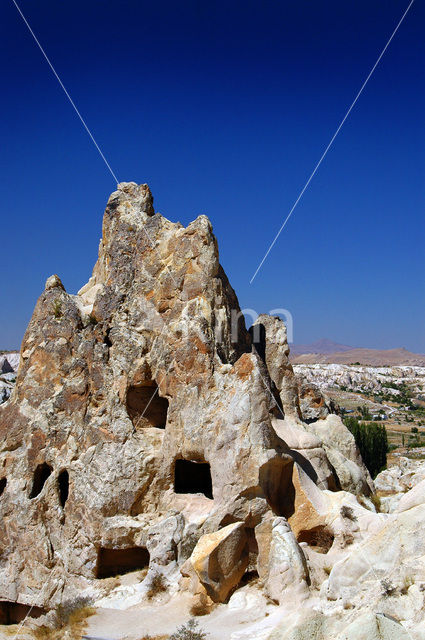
(114, 562)
(146, 407)
(193, 477)
(14, 612)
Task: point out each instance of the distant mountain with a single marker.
(370, 357)
(320, 346)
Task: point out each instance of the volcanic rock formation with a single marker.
(148, 429)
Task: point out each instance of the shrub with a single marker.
(372, 442)
(71, 616)
(376, 501)
(200, 606)
(57, 308)
(387, 587)
(346, 539)
(157, 585)
(348, 513)
(407, 582)
(189, 631)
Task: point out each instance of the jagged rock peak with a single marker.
(139, 195)
(142, 421)
(52, 282)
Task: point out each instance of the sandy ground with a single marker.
(247, 610)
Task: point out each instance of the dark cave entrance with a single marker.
(113, 562)
(193, 477)
(146, 407)
(41, 474)
(276, 482)
(3, 483)
(14, 612)
(320, 538)
(63, 487)
(258, 339)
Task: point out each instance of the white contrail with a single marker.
(331, 142)
(66, 92)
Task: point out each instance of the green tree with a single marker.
(372, 442)
(364, 412)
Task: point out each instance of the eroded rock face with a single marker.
(314, 404)
(281, 562)
(142, 419)
(122, 386)
(268, 335)
(220, 560)
(343, 454)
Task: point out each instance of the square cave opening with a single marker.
(14, 612)
(146, 407)
(114, 562)
(193, 477)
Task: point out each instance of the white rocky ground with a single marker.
(363, 379)
(369, 586)
(401, 484)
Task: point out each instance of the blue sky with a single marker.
(224, 109)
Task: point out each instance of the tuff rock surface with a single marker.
(150, 433)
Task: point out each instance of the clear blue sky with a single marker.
(224, 108)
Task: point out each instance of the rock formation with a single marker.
(149, 429)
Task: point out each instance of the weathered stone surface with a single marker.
(281, 562)
(7, 384)
(153, 327)
(314, 404)
(387, 563)
(337, 447)
(372, 626)
(268, 334)
(54, 282)
(343, 454)
(146, 433)
(310, 506)
(401, 476)
(307, 451)
(220, 560)
(413, 498)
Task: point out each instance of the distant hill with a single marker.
(320, 346)
(371, 357)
